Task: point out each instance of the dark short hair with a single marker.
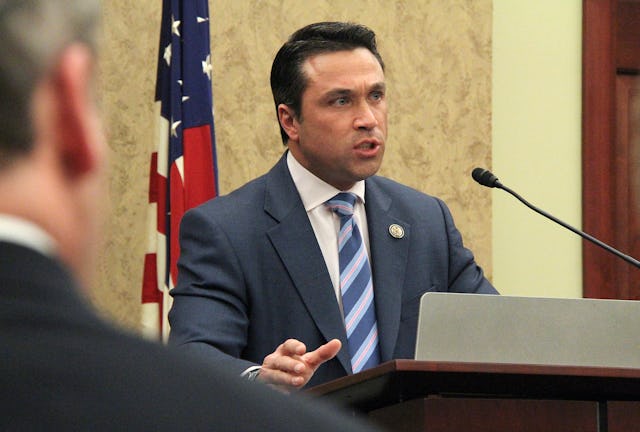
(288, 81)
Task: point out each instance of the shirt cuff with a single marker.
(251, 373)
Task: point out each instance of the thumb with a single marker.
(322, 353)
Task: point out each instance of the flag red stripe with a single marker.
(153, 181)
(150, 291)
(199, 181)
(161, 211)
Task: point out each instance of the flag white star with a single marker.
(201, 20)
(206, 66)
(175, 26)
(167, 55)
(185, 98)
(174, 128)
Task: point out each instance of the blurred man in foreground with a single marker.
(63, 368)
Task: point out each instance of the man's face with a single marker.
(341, 130)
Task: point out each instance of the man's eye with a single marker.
(377, 95)
(341, 101)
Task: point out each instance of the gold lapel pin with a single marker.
(396, 231)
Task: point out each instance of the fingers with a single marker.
(284, 367)
(283, 381)
(283, 363)
(287, 357)
(292, 347)
(290, 367)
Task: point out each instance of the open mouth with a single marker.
(367, 145)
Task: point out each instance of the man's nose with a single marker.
(365, 117)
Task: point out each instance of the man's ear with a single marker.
(288, 121)
(74, 110)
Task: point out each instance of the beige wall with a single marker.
(537, 145)
(126, 86)
(438, 57)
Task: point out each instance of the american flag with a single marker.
(183, 163)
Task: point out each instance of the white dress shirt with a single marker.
(326, 224)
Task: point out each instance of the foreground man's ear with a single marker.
(74, 116)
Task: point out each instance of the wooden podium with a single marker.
(409, 395)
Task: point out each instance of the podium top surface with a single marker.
(401, 380)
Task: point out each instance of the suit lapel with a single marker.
(305, 266)
(389, 260)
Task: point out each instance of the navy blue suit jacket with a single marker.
(252, 275)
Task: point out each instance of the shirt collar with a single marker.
(25, 233)
(314, 191)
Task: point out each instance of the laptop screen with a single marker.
(527, 330)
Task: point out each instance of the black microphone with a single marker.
(486, 178)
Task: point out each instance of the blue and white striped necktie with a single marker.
(356, 287)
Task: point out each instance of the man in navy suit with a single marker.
(259, 282)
